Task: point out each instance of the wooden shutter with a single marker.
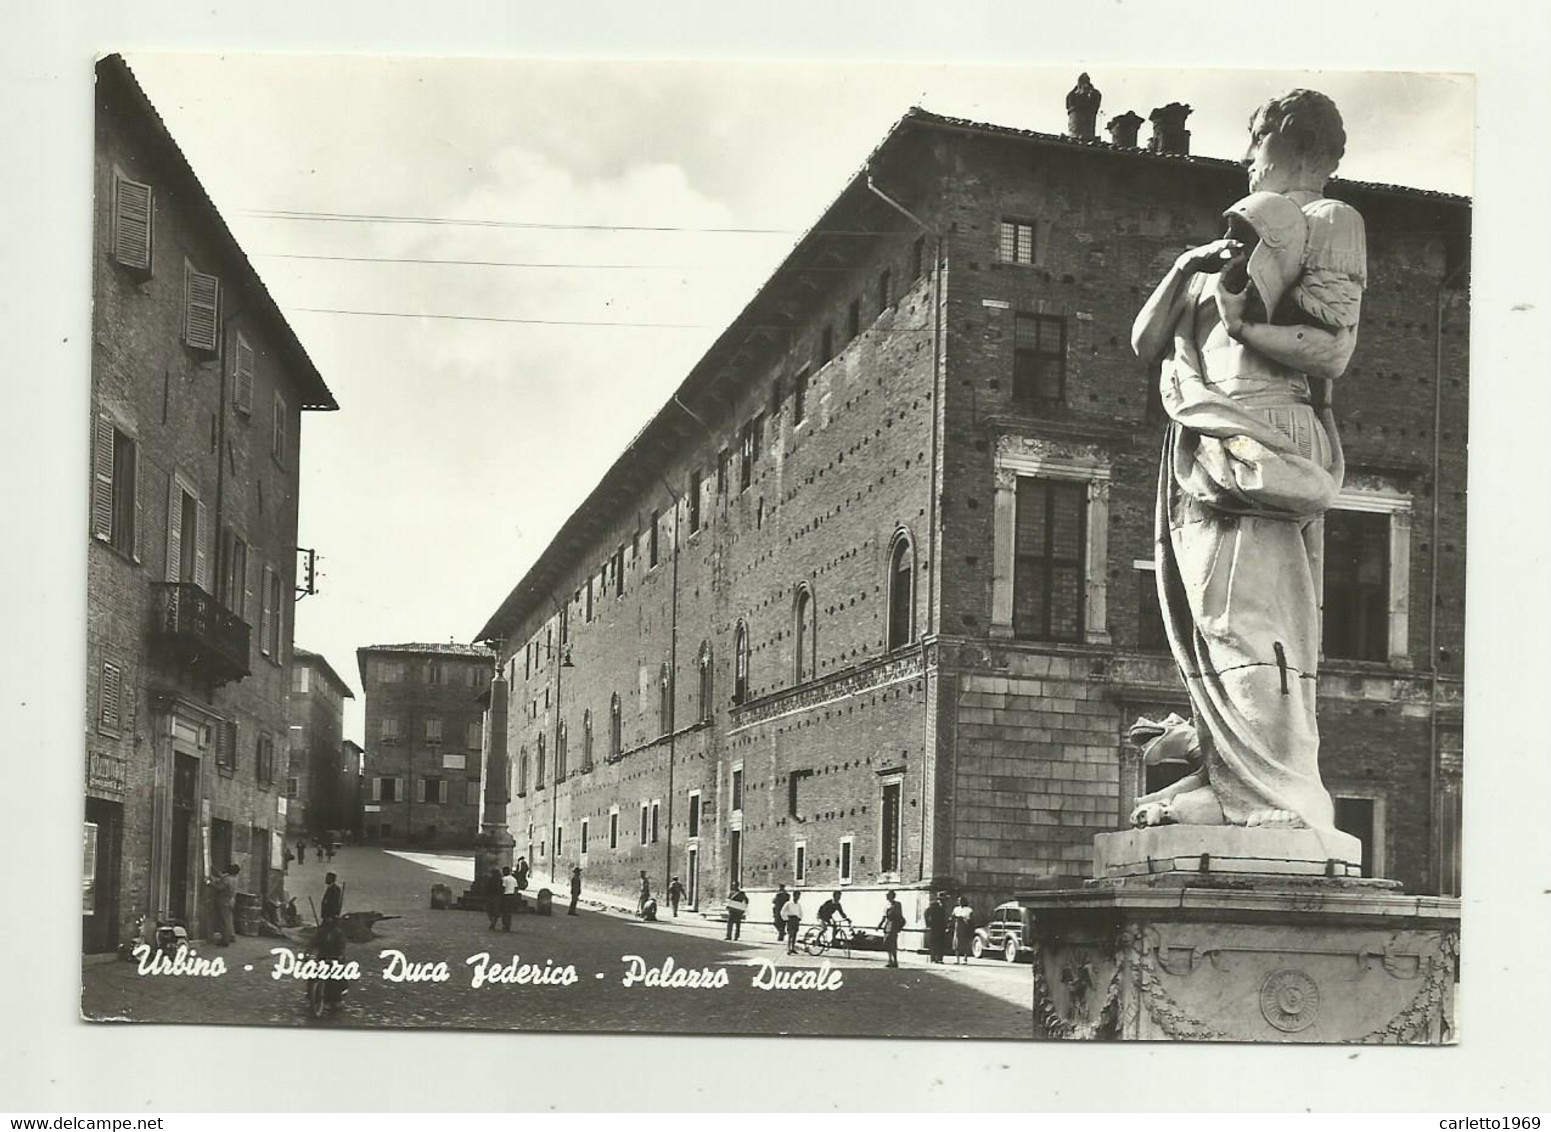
(247, 590)
(242, 377)
(376, 789)
(110, 697)
(420, 790)
(102, 481)
(132, 224)
(277, 443)
(201, 560)
(139, 516)
(201, 303)
(277, 580)
(265, 614)
(174, 528)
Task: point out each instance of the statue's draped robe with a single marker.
(1249, 467)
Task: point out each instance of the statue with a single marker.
(1082, 108)
(1252, 330)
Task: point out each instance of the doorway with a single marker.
(734, 859)
(692, 868)
(101, 849)
(185, 779)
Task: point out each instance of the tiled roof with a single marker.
(449, 648)
(317, 660)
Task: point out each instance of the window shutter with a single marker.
(201, 560)
(242, 377)
(265, 614)
(174, 528)
(111, 693)
(278, 581)
(277, 442)
(132, 224)
(376, 789)
(135, 486)
(102, 481)
(201, 300)
(247, 590)
(420, 790)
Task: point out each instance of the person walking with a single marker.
(791, 916)
(494, 895)
(776, 903)
(301, 851)
(576, 889)
(521, 871)
(963, 929)
(223, 891)
(737, 908)
(892, 924)
(645, 896)
(936, 920)
(333, 898)
(675, 894)
(508, 898)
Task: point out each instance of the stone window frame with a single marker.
(613, 827)
(1383, 499)
(646, 818)
(1019, 457)
(886, 780)
(740, 663)
(845, 864)
(736, 787)
(904, 541)
(1376, 867)
(616, 727)
(800, 861)
(804, 636)
(695, 815)
(581, 850)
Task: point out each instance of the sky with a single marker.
(465, 440)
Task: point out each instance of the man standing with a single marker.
(936, 920)
(508, 898)
(892, 924)
(333, 898)
(223, 890)
(645, 897)
(781, 897)
(737, 908)
(576, 889)
(301, 851)
(675, 894)
(791, 915)
(494, 897)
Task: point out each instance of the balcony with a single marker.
(200, 631)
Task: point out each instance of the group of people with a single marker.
(504, 888)
(324, 848)
(223, 895)
(787, 915)
(949, 926)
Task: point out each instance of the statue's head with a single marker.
(1296, 142)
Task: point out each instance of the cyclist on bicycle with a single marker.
(830, 911)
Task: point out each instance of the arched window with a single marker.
(616, 732)
(740, 665)
(805, 653)
(705, 681)
(665, 701)
(587, 739)
(901, 591)
(562, 742)
(538, 776)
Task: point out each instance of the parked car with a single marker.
(1008, 933)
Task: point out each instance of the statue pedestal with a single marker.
(1204, 947)
(493, 849)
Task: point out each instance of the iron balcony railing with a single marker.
(204, 633)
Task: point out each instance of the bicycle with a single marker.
(825, 937)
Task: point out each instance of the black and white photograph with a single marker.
(1003, 579)
(917, 559)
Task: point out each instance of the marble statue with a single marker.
(1252, 330)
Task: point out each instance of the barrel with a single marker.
(246, 913)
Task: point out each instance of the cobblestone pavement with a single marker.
(985, 1000)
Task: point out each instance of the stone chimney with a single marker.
(1168, 129)
(1082, 108)
(1122, 130)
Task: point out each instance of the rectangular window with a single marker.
(656, 821)
(1356, 816)
(1016, 241)
(433, 731)
(652, 541)
(389, 726)
(746, 456)
(800, 863)
(264, 763)
(201, 309)
(115, 489)
(619, 571)
(1049, 544)
(291, 788)
(110, 696)
(885, 295)
(613, 829)
(646, 818)
(243, 368)
(845, 860)
(559, 839)
(695, 479)
(694, 814)
(435, 674)
(888, 857)
(587, 609)
(1039, 358)
(1150, 634)
(432, 791)
(1356, 620)
(133, 217)
(387, 789)
(800, 399)
(853, 319)
(584, 837)
(301, 679)
(226, 745)
(277, 440)
(737, 788)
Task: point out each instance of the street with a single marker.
(987, 999)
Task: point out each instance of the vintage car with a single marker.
(1007, 933)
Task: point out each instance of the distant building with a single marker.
(424, 736)
(198, 386)
(869, 602)
(317, 787)
(353, 758)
